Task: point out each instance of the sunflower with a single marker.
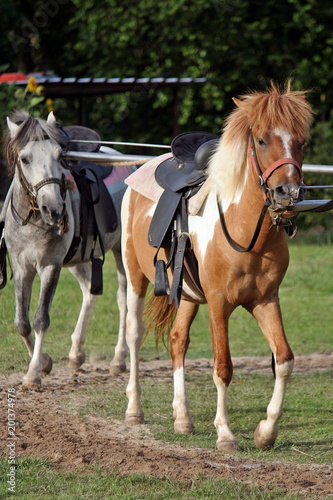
(32, 84)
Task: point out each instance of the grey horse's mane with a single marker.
(31, 129)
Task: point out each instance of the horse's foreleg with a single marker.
(134, 335)
(82, 273)
(41, 362)
(222, 374)
(270, 321)
(118, 364)
(23, 286)
(179, 342)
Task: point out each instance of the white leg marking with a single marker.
(134, 334)
(267, 430)
(183, 422)
(225, 438)
(118, 364)
(32, 377)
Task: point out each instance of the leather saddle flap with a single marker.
(163, 217)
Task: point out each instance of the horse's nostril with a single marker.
(282, 190)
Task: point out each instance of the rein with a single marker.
(263, 177)
(232, 242)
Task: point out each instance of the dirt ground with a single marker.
(48, 429)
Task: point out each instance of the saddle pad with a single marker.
(143, 180)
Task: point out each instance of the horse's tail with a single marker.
(159, 316)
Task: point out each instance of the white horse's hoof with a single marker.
(33, 384)
(75, 363)
(134, 419)
(117, 369)
(226, 446)
(183, 428)
(47, 364)
(262, 441)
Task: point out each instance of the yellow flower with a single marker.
(40, 90)
(32, 84)
(49, 104)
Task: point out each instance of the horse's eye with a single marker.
(24, 160)
(261, 142)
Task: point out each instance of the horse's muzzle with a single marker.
(285, 196)
(53, 216)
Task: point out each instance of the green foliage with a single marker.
(235, 44)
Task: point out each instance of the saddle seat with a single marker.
(187, 167)
(181, 176)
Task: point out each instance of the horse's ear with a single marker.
(239, 103)
(13, 127)
(51, 119)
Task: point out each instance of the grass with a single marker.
(50, 483)
(306, 297)
(305, 431)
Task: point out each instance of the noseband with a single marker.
(268, 198)
(32, 193)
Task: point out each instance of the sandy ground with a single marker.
(47, 429)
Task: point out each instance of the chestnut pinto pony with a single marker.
(269, 129)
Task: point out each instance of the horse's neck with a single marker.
(245, 214)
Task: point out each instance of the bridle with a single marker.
(287, 223)
(32, 193)
(264, 176)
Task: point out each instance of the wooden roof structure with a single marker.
(81, 88)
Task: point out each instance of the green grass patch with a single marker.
(39, 480)
(306, 296)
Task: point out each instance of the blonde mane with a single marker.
(276, 108)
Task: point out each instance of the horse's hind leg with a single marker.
(270, 321)
(82, 273)
(118, 364)
(179, 342)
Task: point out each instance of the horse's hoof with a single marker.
(117, 369)
(47, 364)
(34, 384)
(226, 446)
(134, 419)
(261, 441)
(183, 428)
(75, 363)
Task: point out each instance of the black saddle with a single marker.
(77, 132)
(184, 171)
(95, 201)
(180, 176)
(187, 167)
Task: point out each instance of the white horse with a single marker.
(39, 230)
